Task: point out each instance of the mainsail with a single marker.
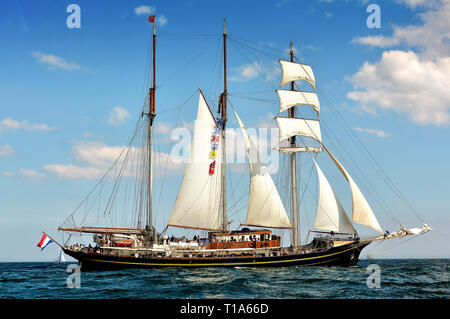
(198, 204)
(330, 213)
(265, 208)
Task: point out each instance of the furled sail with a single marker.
(295, 126)
(198, 204)
(265, 208)
(362, 213)
(289, 150)
(292, 71)
(330, 213)
(292, 98)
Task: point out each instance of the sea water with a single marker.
(381, 279)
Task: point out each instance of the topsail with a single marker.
(292, 71)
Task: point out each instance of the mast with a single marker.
(293, 171)
(224, 120)
(151, 115)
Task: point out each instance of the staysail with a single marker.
(265, 208)
(330, 213)
(362, 213)
(198, 204)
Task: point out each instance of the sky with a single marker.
(72, 89)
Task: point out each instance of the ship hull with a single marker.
(345, 255)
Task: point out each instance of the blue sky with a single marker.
(70, 97)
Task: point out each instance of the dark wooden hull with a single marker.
(345, 255)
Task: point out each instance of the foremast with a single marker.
(293, 169)
(330, 214)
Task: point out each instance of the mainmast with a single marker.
(293, 170)
(151, 115)
(223, 111)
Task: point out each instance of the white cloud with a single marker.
(95, 158)
(432, 38)
(406, 84)
(413, 84)
(53, 61)
(118, 115)
(267, 121)
(13, 125)
(97, 153)
(377, 41)
(161, 19)
(283, 2)
(6, 150)
(246, 72)
(71, 171)
(253, 70)
(32, 175)
(378, 133)
(416, 3)
(312, 47)
(163, 128)
(9, 174)
(144, 10)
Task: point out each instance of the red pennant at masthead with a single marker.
(151, 19)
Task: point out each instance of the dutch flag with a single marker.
(45, 240)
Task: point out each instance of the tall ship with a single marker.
(201, 203)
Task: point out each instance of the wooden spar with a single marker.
(153, 111)
(329, 232)
(104, 230)
(224, 120)
(293, 171)
(151, 115)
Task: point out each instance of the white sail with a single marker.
(294, 126)
(265, 208)
(292, 98)
(289, 150)
(198, 204)
(330, 213)
(292, 71)
(61, 258)
(362, 213)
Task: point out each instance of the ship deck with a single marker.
(343, 255)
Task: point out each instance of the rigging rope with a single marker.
(383, 174)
